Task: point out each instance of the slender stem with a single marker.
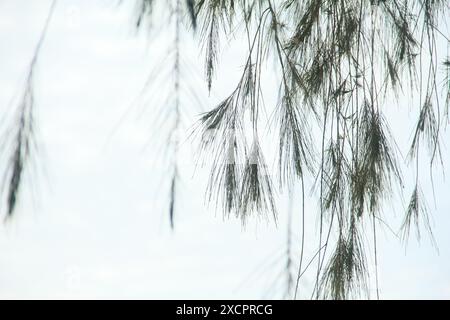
(175, 129)
(303, 237)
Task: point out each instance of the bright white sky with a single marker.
(98, 227)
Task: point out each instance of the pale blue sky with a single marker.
(97, 226)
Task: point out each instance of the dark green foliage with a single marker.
(346, 272)
(337, 61)
(256, 192)
(19, 139)
(416, 214)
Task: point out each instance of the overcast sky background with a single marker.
(97, 226)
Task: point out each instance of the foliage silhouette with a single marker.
(337, 62)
